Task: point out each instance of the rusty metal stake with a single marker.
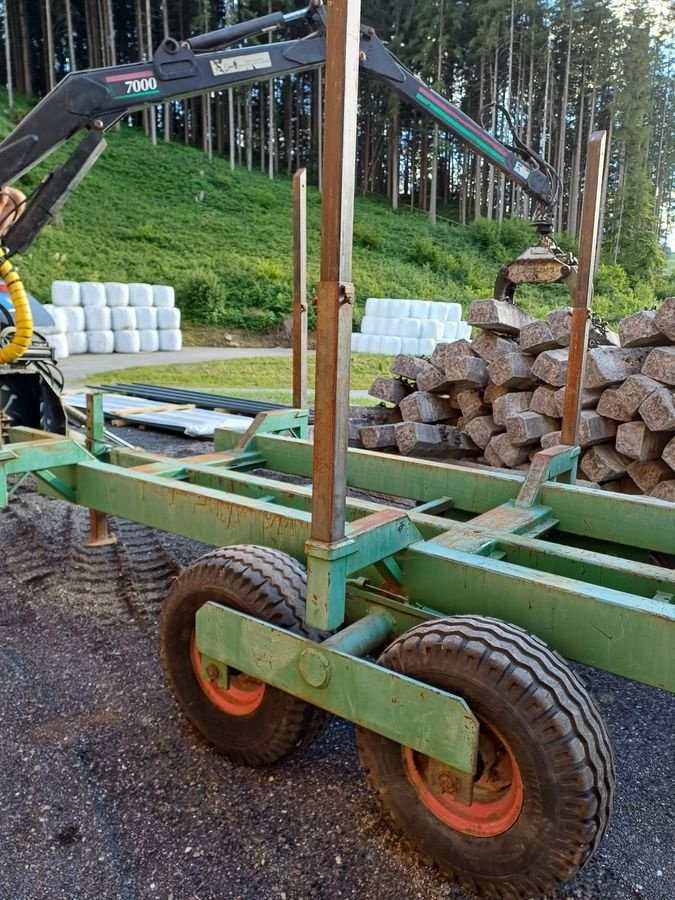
(300, 289)
(335, 292)
(99, 536)
(583, 293)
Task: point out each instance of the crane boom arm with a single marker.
(94, 100)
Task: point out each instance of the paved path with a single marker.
(78, 370)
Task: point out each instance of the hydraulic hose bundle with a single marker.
(23, 334)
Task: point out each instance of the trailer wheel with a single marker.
(251, 722)
(544, 785)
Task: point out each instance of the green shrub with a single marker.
(200, 299)
(368, 236)
(485, 233)
(426, 252)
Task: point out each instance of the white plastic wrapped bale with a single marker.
(426, 346)
(463, 331)
(116, 294)
(140, 295)
(454, 313)
(75, 321)
(59, 344)
(127, 342)
(170, 340)
(409, 346)
(419, 309)
(92, 294)
(396, 309)
(369, 325)
(98, 318)
(432, 328)
(450, 331)
(374, 306)
(391, 327)
(438, 309)
(100, 341)
(410, 328)
(390, 346)
(77, 342)
(65, 293)
(149, 340)
(168, 319)
(146, 318)
(58, 317)
(357, 342)
(163, 296)
(371, 343)
(123, 318)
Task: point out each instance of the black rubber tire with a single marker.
(271, 586)
(513, 682)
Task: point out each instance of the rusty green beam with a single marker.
(592, 514)
(417, 715)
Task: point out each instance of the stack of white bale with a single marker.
(57, 333)
(412, 327)
(112, 317)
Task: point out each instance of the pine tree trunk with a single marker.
(152, 119)
(230, 126)
(249, 130)
(168, 125)
(261, 123)
(48, 32)
(575, 177)
(288, 124)
(111, 37)
(71, 43)
(25, 52)
(478, 196)
(434, 176)
(424, 168)
(491, 168)
(395, 162)
(319, 127)
(545, 137)
(605, 184)
(434, 152)
(239, 127)
(8, 58)
(562, 133)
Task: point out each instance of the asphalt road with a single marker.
(107, 794)
(82, 369)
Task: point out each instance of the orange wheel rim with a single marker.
(243, 696)
(498, 788)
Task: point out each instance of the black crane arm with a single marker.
(96, 99)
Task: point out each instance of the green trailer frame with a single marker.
(568, 563)
(571, 565)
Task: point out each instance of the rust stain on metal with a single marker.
(374, 520)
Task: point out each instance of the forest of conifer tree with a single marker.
(563, 70)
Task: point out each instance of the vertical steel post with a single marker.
(335, 291)
(583, 293)
(335, 299)
(300, 289)
(99, 535)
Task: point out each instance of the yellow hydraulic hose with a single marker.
(23, 316)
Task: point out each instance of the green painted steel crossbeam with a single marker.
(545, 556)
(623, 633)
(417, 715)
(596, 515)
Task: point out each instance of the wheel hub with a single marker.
(243, 695)
(497, 790)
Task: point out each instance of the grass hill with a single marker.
(166, 215)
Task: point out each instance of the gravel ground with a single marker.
(105, 792)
